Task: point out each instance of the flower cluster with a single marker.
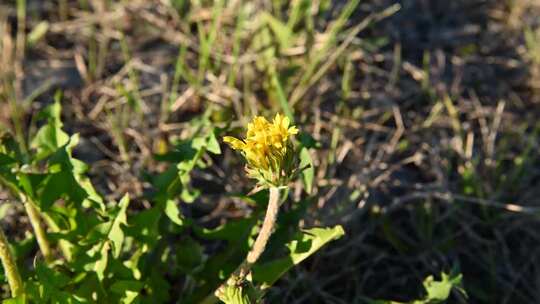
(268, 150)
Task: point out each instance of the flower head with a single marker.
(268, 149)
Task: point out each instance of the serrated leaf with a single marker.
(50, 137)
(101, 263)
(58, 185)
(304, 244)
(437, 290)
(92, 196)
(65, 179)
(55, 186)
(440, 290)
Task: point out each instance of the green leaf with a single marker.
(26, 184)
(172, 211)
(304, 244)
(308, 172)
(116, 234)
(308, 141)
(128, 289)
(6, 160)
(189, 195)
(212, 144)
(101, 263)
(50, 285)
(9, 179)
(50, 137)
(157, 288)
(58, 185)
(50, 277)
(438, 291)
(10, 146)
(144, 226)
(55, 186)
(230, 231)
(243, 294)
(190, 255)
(66, 179)
(92, 195)
(89, 289)
(17, 300)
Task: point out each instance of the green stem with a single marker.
(10, 267)
(41, 235)
(258, 247)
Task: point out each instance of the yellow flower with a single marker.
(267, 148)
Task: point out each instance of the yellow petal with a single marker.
(235, 143)
(285, 123)
(266, 143)
(277, 119)
(293, 130)
(258, 126)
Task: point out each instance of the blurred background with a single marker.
(422, 117)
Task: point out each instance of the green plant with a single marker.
(436, 291)
(111, 252)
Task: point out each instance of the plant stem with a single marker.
(10, 267)
(258, 247)
(41, 235)
(266, 229)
